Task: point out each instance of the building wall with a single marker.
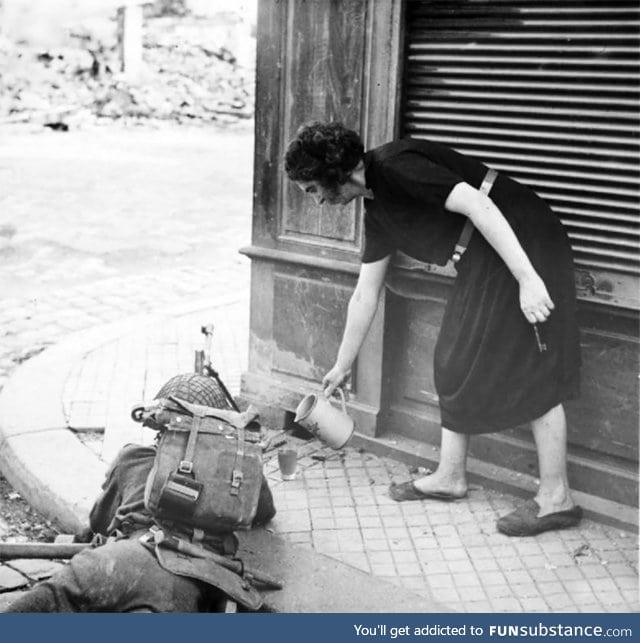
(335, 60)
(317, 60)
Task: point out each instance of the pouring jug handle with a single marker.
(342, 399)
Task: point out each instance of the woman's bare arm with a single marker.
(362, 308)
(535, 302)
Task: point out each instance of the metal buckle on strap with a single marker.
(487, 182)
(236, 481)
(185, 466)
(154, 535)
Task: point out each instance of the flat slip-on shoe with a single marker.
(408, 491)
(524, 521)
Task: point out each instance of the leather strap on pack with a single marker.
(186, 465)
(467, 231)
(236, 474)
(235, 419)
(199, 413)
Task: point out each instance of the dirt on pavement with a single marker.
(18, 521)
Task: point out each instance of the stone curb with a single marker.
(41, 458)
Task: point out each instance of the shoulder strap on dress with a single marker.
(467, 231)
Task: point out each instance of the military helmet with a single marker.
(195, 388)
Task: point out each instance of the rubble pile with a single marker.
(182, 79)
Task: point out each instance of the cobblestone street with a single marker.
(138, 220)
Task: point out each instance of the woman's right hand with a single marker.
(333, 379)
(535, 302)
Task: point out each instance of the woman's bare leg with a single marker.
(451, 475)
(550, 435)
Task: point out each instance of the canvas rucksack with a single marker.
(208, 466)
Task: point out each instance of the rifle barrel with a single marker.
(234, 565)
(11, 551)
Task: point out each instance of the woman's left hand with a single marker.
(535, 303)
(335, 378)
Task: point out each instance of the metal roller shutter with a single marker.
(547, 91)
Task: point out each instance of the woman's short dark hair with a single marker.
(323, 152)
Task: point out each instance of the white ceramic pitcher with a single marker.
(328, 423)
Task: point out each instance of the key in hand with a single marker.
(542, 346)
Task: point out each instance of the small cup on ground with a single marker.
(288, 462)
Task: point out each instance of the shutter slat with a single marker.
(532, 7)
(442, 82)
(419, 106)
(568, 166)
(458, 142)
(531, 162)
(514, 99)
(609, 265)
(604, 252)
(585, 188)
(583, 199)
(493, 58)
(603, 38)
(630, 182)
(533, 120)
(485, 48)
(620, 243)
(498, 132)
(572, 214)
(522, 72)
(545, 91)
(548, 24)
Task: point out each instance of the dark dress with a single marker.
(489, 373)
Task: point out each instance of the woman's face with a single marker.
(340, 194)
